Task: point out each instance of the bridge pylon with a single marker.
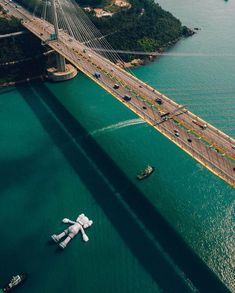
(62, 71)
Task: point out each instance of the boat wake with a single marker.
(118, 125)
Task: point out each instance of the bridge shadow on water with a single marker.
(144, 249)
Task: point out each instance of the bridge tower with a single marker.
(62, 71)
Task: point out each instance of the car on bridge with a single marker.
(97, 74)
(200, 124)
(126, 98)
(116, 86)
(159, 101)
(164, 114)
(176, 132)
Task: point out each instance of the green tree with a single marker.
(148, 44)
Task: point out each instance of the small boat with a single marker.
(15, 281)
(145, 173)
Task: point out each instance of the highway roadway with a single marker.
(208, 145)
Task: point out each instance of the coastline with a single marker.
(150, 58)
(36, 78)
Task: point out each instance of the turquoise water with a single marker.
(82, 154)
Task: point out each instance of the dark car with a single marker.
(126, 98)
(116, 86)
(159, 101)
(97, 74)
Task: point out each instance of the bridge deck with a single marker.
(211, 147)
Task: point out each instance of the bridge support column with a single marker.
(62, 71)
(55, 74)
(60, 63)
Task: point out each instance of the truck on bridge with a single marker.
(200, 124)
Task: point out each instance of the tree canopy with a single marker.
(143, 27)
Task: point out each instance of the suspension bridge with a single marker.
(65, 28)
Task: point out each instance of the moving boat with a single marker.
(145, 173)
(15, 281)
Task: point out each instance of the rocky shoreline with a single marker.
(140, 62)
(149, 58)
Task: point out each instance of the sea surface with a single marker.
(71, 148)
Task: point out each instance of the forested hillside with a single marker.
(17, 48)
(143, 27)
